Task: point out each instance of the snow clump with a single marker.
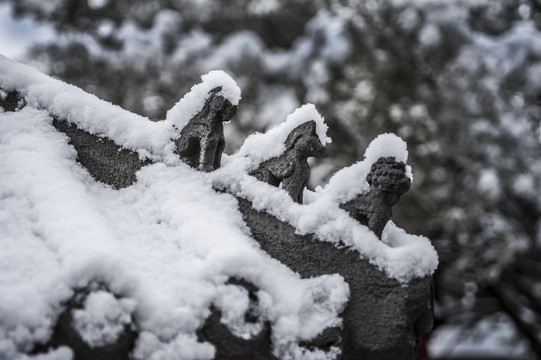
(103, 318)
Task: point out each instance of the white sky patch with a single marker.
(263, 6)
(489, 183)
(524, 185)
(430, 35)
(16, 35)
(276, 106)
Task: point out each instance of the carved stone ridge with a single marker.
(105, 160)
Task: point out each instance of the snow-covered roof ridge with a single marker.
(150, 139)
(400, 255)
(67, 102)
(399, 258)
(167, 235)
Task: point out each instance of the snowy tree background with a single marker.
(458, 80)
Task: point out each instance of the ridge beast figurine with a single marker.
(388, 181)
(201, 142)
(291, 168)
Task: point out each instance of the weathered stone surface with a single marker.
(291, 168)
(383, 319)
(11, 100)
(388, 181)
(201, 142)
(105, 161)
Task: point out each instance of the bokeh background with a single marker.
(458, 80)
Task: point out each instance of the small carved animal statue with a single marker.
(291, 168)
(388, 181)
(201, 142)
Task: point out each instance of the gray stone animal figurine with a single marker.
(201, 142)
(291, 168)
(388, 181)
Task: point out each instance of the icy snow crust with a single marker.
(167, 244)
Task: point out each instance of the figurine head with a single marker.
(389, 175)
(220, 106)
(305, 140)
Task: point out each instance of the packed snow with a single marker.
(168, 244)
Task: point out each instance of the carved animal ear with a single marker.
(220, 105)
(215, 90)
(307, 128)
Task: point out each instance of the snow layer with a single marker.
(163, 244)
(167, 244)
(149, 139)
